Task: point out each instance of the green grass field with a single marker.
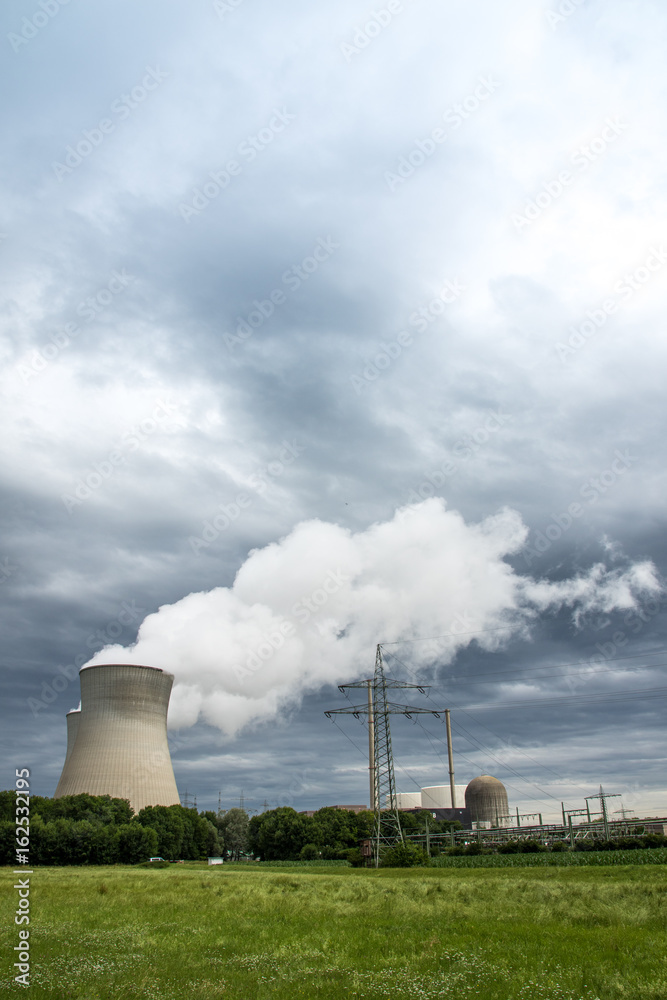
(487, 934)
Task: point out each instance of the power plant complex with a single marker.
(485, 801)
(117, 746)
(117, 741)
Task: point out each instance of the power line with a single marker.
(497, 736)
(597, 668)
(475, 743)
(487, 750)
(594, 668)
(510, 745)
(348, 738)
(406, 773)
(364, 754)
(474, 764)
(580, 699)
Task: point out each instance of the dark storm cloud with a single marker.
(519, 389)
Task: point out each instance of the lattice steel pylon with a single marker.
(387, 824)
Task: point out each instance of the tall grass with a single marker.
(487, 934)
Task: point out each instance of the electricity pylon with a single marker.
(387, 825)
(603, 796)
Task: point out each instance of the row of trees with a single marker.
(99, 830)
(285, 835)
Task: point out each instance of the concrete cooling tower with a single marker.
(486, 800)
(72, 729)
(117, 742)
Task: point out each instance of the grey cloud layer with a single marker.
(520, 390)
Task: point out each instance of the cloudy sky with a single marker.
(330, 326)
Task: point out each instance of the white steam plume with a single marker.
(308, 610)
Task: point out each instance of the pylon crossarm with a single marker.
(388, 683)
(352, 710)
(394, 709)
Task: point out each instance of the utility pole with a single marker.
(603, 796)
(387, 826)
(371, 744)
(450, 756)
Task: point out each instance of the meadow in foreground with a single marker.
(488, 934)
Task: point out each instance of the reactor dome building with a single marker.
(486, 801)
(117, 741)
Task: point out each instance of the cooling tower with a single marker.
(73, 718)
(440, 796)
(118, 745)
(486, 800)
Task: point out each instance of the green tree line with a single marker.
(330, 834)
(99, 830)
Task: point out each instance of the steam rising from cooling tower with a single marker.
(117, 742)
(308, 610)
